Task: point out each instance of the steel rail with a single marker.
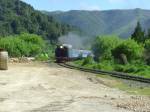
(113, 74)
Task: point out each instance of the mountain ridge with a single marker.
(118, 22)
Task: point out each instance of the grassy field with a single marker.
(131, 87)
(132, 69)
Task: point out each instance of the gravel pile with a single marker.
(135, 103)
(21, 60)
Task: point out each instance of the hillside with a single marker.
(17, 17)
(119, 22)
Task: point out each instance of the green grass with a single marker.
(42, 57)
(132, 69)
(139, 70)
(119, 84)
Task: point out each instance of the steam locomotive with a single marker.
(65, 53)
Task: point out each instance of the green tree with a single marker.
(88, 60)
(103, 45)
(130, 48)
(147, 51)
(16, 26)
(139, 34)
(16, 17)
(148, 34)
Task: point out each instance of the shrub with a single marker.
(78, 62)
(130, 48)
(23, 45)
(130, 69)
(119, 68)
(140, 70)
(42, 57)
(32, 38)
(104, 66)
(89, 60)
(103, 46)
(147, 53)
(147, 45)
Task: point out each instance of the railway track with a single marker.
(113, 74)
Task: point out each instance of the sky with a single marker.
(65, 5)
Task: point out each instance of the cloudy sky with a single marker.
(65, 5)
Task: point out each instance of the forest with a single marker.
(130, 55)
(17, 17)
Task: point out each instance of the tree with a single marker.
(147, 51)
(17, 4)
(148, 34)
(103, 45)
(88, 61)
(130, 48)
(15, 24)
(138, 34)
(16, 17)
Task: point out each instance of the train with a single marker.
(66, 52)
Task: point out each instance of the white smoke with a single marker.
(77, 41)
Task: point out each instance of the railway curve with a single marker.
(113, 74)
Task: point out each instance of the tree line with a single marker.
(130, 55)
(136, 47)
(140, 35)
(17, 17)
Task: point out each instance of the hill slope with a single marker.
(17, 16)
(119, 22)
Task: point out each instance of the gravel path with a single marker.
(36, 87)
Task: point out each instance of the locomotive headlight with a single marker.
(61, 47)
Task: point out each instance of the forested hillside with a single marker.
(17, 17)
(130, 55)
(118, 22)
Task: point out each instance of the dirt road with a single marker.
(39, 87)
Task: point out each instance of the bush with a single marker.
(147, 53)
(88, 61)
(103, 65)
(23, 45)
(42, 57)
(119, 68)
(140, 70)
(32, 38)
(130, 48)
(147, 45)
(103, 46)
(50, 50)
(130, 69)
